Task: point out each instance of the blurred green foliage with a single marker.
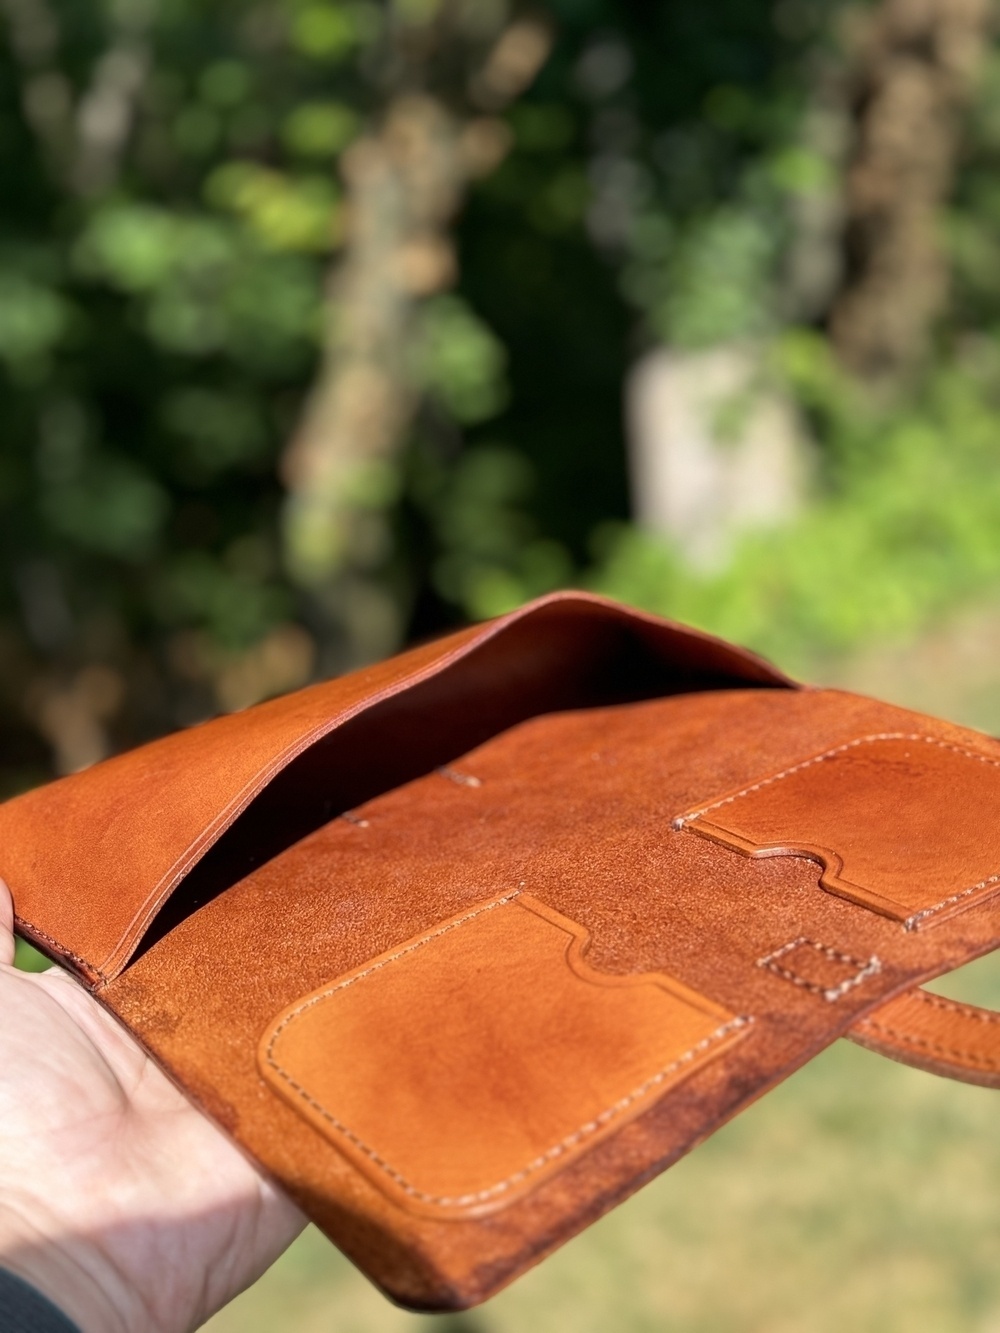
(648, 196)
(169, 209)
(907, 514)
(160, 296)
(905, 525)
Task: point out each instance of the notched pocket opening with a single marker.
(468, 1065)
(905, 824)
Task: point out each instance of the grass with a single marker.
(29, 959)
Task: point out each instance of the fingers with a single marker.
(6, 926)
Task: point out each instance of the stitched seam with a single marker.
(390, 958)
(459, 778)
(956, 1007)
(537, 1163)
(830, 993)
(828, 754)
(351, 818)
(913, 921)
(60, 948)
(908, 1040)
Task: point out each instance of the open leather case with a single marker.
(465, 947)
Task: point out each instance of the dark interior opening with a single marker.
(589, 656)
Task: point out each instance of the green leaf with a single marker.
(33, 318)
(460, 360)
(113, 508)
(320, 129)
(297, 213)
(324, 31)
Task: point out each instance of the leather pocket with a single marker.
(905, 824)
(470, 1063)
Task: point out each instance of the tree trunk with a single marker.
(404, 181)
(915, 65)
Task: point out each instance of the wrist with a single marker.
(68, 1270)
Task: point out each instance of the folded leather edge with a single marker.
(455, 648)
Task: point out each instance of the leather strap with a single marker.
(941, 1036)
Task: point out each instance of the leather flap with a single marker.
(91, 859)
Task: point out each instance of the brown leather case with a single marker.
(465, 947)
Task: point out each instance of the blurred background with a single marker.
(326, 325)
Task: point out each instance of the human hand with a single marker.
(118, 1200)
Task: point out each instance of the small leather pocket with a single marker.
(906, 824)
(467, 1065)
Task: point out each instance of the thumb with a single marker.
(6, 926)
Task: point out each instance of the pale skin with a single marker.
(118, 1200)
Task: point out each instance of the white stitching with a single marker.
(913, 921)
(351, 818)
(955, 1007)
(391, 958)
(460, 779)
(557, 1150)
(867, 969)
(88, 969)
(923, 1043)
(681, 820)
